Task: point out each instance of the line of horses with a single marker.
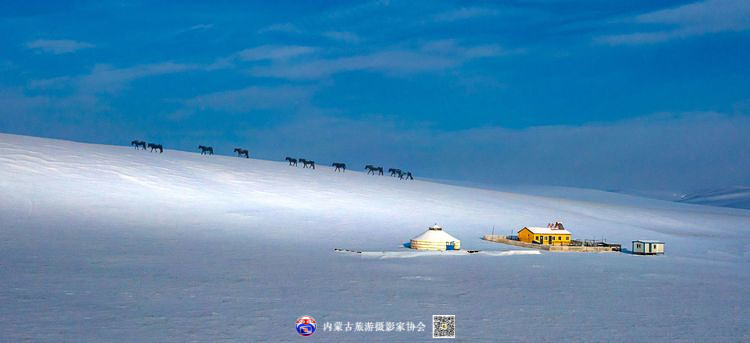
(341, 167)
(338, 167)
(401, 174)
(305, 163)
(205, 150)
(153, 146)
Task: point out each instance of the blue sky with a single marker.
(628, 95)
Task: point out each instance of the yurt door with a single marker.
(450, 246)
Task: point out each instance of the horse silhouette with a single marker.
(138, 144)
(408, 176)
(306, 163)
(156, 147)
(394, 171)
(339, 166)
(242, 152)
(371, 169)
(206, 150)
(292, 161)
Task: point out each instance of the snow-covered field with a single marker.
(105, 243)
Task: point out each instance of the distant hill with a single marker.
(737, 197)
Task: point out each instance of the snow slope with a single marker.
(738, 197)
(107, 243)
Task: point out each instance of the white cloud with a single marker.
(76, 99)
(699, 18)
(465, 13)
(58, 46)
(247, 100)
(342, 36)
(274, 52)
(393, 61)
(221, 63)
(450, 47)
(52, 83)
(281, 27)
(107, 79)
(22, 112)
(104, 78)
(201, 27)
(15, 103)
(636, 38)
(430, 56)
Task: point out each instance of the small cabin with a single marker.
(553, 234)
(641, 247)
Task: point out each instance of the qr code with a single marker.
(444, 326)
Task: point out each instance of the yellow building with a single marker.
(552, 235)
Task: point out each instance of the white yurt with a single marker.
(435, 239)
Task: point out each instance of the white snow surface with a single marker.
(108, 243)
(414, 253)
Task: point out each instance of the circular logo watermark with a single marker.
(306, 326)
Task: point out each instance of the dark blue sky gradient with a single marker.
(243, 73)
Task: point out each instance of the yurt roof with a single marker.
(435, 236)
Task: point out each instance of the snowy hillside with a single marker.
(735, 197)
(116, 244)
(738, 197)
